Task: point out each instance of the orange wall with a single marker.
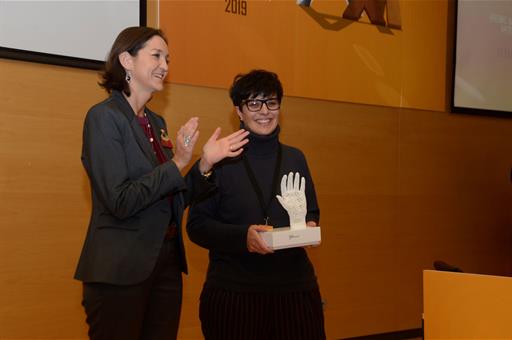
(398, 188)
(316, 52)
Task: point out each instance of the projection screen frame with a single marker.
(53, 59)
(461, 109)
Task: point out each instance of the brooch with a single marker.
(164, 139)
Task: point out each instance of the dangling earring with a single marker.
(128, 76)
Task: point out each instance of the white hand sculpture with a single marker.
(293, 199)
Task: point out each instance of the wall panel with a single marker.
(398, 188)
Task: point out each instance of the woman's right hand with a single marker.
(255, 243)
(186, 138)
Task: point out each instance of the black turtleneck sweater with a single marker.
(220, 222)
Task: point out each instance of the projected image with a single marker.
(483, 66)
(376, 10)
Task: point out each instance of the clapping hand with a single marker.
(217, 149)
(186, 138)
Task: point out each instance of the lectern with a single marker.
(466, 306)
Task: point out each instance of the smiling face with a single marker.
(149, 67)
(261, 122)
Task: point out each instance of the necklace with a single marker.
(146, 125)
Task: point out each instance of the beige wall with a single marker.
(398, 188)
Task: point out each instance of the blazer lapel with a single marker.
(140, 137)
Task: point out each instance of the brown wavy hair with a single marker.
(130, 40)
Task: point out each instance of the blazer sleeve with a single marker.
(109, 147)
(206, 229)
(197, 185)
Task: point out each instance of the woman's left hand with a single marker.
(216, 149)
(311, 224)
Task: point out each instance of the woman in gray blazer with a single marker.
(133, 254)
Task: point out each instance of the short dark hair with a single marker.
(253, 84)
(130, 40)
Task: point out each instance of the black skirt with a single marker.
(229, 315)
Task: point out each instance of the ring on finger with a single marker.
(186, 140)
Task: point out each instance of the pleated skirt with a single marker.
(229, 315)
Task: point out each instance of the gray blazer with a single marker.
(130, 191)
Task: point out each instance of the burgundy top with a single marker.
(148, 131)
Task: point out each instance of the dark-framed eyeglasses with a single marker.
(254, 105)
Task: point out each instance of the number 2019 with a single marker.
(236, 6)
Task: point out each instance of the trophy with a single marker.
(293, 200)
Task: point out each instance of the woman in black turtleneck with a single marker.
(252, 292)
